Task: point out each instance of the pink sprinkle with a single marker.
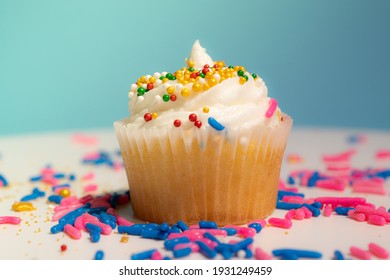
(331, 184)
(368, 183)
(79, 223)
(273, 104)
(216, 232)
(123, 222)
(290, 214)
(359, 253)
(117, 166)
(328, 209)
(60, 213)
(47, 171)
(376, 220)
(208, 242)
(156, 255)
(344, 156)
(299, 214)
(246, 232)
(293, 199)
(86, 199)
(11, 220)
(92, 156)
(341, 201)
(50, 180)
(382, 154)
(368, 189)
(194, 247)
(308, 213)
(67, 207)
(79, 138)
(282, 223)
(69, 200)
(360, 217)
(193, 226)
(90, 188)
(88, 176)
(378, 251)
(372, 211)
(261, 255)
(72, 231)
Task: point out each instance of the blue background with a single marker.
(69, 64)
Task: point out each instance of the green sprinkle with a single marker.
(141, 91)
(240, 73)
(170, 76)
(165, 97)
(162, 77)
(231, 66)
(254, 76)
(202, 75)
(246, 77)
(191, 69)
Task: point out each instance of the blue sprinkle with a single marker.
(315, 211)
(338, 255)
(143, 255)
(95, 236)
(164, 227)
(167, 258)
(241, 245)
(313, 179)
(182, 225)
(174, 229)
(282, 194)
(154, 234)
(287, 206)
(229, 231)
(171, 243)
(317, 204)
(131, 230)
(72, 177)
(291, 180)
(183, 252)
(256, 226)
(59, 175)
(289, 256)
(299, 253)
(36, 178)
(99, 255)
(211, 237)
(224, 250)
(97, 210)
(57, 228)
(60, 186)
(29, 197)
(207, 225)
(343, 210)
(3, 181)
(92, 227)
(74, 214)
(206, 250)
(383, 174)
(55, 198)
(215, 124)
(248, 253)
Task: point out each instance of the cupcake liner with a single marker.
(230, 177)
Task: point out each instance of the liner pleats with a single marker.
(230, 177)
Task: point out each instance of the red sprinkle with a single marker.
(192, 117)
(148, 117)
(149, 86)
(177, 123)
(63, 248)
(173, 97)
(198, 123)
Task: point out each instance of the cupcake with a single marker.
(202, 143)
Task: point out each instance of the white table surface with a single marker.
(23, 156)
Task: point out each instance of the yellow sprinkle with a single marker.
(171, 90)
(242, 80)
(206, 87)
(64, 192)
(22, 206)
(154, 115)
(185, 92)
(152, 80)
(206, 109)
(196, 87)
(165, 80)
(124, 239)
(212, 82)
(190, 63)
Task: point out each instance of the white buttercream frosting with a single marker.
(233, 104)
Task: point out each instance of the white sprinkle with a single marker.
(164, 73)
(157, 75)
(166, 85)
(147, 77)
(158, 98)
(201, 81)
(144, 86)
(134, 87)
(140, 98)
(130, 94)
(217, 77)
(241, 254)
(158, 82)
(179, 86)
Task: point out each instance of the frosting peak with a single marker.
(199, 56)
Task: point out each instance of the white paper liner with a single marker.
(203, 174)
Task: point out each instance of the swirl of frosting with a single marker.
(206, 94)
